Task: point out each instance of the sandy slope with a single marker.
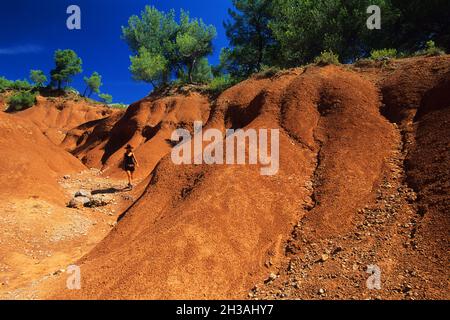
(363, 179)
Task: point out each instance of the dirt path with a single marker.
(40, 239)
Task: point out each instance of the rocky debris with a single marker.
(127, 197)
(84, 198)
(387, 222)
(78, 202)
(91, 190)
(323, 258)
(272, 277)
(89, 202)
(82, 193)
(98, 201)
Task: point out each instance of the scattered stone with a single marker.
(59, 272)
(272, 277)
(98, 201)
(127, 197)
(78, 202)
(407, 288)
(82, 193)
(66, 177)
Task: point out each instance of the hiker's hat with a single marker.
(129, 147)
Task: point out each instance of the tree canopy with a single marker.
(106, 98)
(67, 65)
(38, 77)
(163, 48)
(93, 84)
(252, 44)
(294, 32)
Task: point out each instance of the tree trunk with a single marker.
(190, 70)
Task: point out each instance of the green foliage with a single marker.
(106, 98)
(201, 74)
(194, 42)
(306, 28)
(383, 53)
(38, 77)
(118, 105)
(149, 67)
(431, 49)
(153, 30)
(5, 84)
(251, 39)
(221, 83)
(67, 65)
(21, 85)
(268, 72)
(17, 85)
(72, 90)
(163, 47)
(327, 58)
(416, 22)
(299, 30)
(93, 84)
(21, 100)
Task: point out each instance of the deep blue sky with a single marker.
(31, 30)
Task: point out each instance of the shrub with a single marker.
(106, 98)
(268, 72)
(5, 84)
(21, 85)
(327, 57)
(93, 84)
(383, 54)
(21, 100)
(220, 84)
(72, 90)
(118, 106)
(38, 77)
(432, 50)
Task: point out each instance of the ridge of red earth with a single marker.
(55, 116)
(335, 145)
(363, 179)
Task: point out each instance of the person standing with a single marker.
(130, 164)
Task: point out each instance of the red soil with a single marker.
(146, 125)
(56, 116)
(29, 162)
(363, 179)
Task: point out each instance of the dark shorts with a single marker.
(129, 167)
